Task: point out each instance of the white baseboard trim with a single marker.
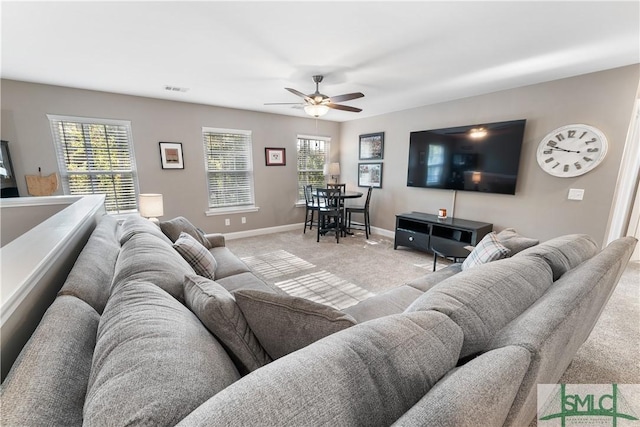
(290, 227)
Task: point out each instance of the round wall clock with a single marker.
(571, 150)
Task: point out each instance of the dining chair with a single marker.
(364, 210)
(310, 208)
(330, 214)
(343, 189)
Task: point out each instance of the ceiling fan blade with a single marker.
(346, 97)
(300, 94)
(343, 107)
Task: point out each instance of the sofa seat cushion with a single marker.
(366, 375)
(389, 302)
(175, 226)
(91, 275)
(489, 249)
(285, 323)
(198, 257)
(479, 393)
(246, 281)
(217, 310)
(43, 386)
(428, 281)
(515, 242)
(564, 253)
(145, 257)
(482, 300)
(228, 263)
(154, 362)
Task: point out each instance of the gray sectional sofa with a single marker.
(135, 337)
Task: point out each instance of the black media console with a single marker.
(420, 230)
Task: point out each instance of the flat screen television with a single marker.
(482, 157)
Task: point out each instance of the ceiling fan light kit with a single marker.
(317, 104)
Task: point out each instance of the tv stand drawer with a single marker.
(411, 239)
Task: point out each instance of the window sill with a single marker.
(233, 210)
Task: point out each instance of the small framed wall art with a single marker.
(171, 155)
(372, 146)
(275, 156)
(370, 175)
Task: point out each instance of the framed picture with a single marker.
(370, 175)
(171, 155)
(372, 146)
(275, 156)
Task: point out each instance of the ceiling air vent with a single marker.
(175, 88)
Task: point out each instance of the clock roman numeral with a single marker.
(555, 166)
(592, 150)
(571, 133)
(583, 134)
(587, 159)
(577, 165)
(552, 143)
(560, 137)
(549, 160)
(566, 168)
(547, 152)
(591, 141)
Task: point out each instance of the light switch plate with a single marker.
(576, 194)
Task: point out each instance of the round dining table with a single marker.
(345, 195)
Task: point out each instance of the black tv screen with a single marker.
(483, 157)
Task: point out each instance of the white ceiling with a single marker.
(243, 54)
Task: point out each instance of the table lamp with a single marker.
(150, 206)
(332, 169)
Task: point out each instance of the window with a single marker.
(95, 156)
(229, 168)
(313, 154)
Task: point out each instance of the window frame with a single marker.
(327, 157)
(238, 208)
(60, 149)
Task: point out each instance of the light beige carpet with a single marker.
(342, 274)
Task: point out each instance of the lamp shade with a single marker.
(150, 205)
(316, 110)
(334, 168)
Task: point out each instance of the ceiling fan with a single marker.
(317, 104)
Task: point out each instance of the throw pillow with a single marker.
(514, 241)
(489, 249)
(199, 257)
(217, 310)
(174, 227)
(283, 323)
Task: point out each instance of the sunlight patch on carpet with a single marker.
(275, 264)
(325, 288)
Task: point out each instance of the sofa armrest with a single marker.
(216, 240)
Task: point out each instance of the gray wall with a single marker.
(540, 207)
(26, 127)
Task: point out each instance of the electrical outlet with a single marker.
(576, 194)
(227, 221)
(244, 220)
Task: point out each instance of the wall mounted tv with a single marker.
(483, 157)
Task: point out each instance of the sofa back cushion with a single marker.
(564, 253)
(145, 257)
(284, 323)
(555, 326)
(154, 362)
(91, 275)
(217, 310)
(479, 393)
(515, 242)
(133, 225)
(482, 300)
(48, 382)
(369, 374)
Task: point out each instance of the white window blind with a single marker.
(229, 166)
(95, 156)
(313, 154)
